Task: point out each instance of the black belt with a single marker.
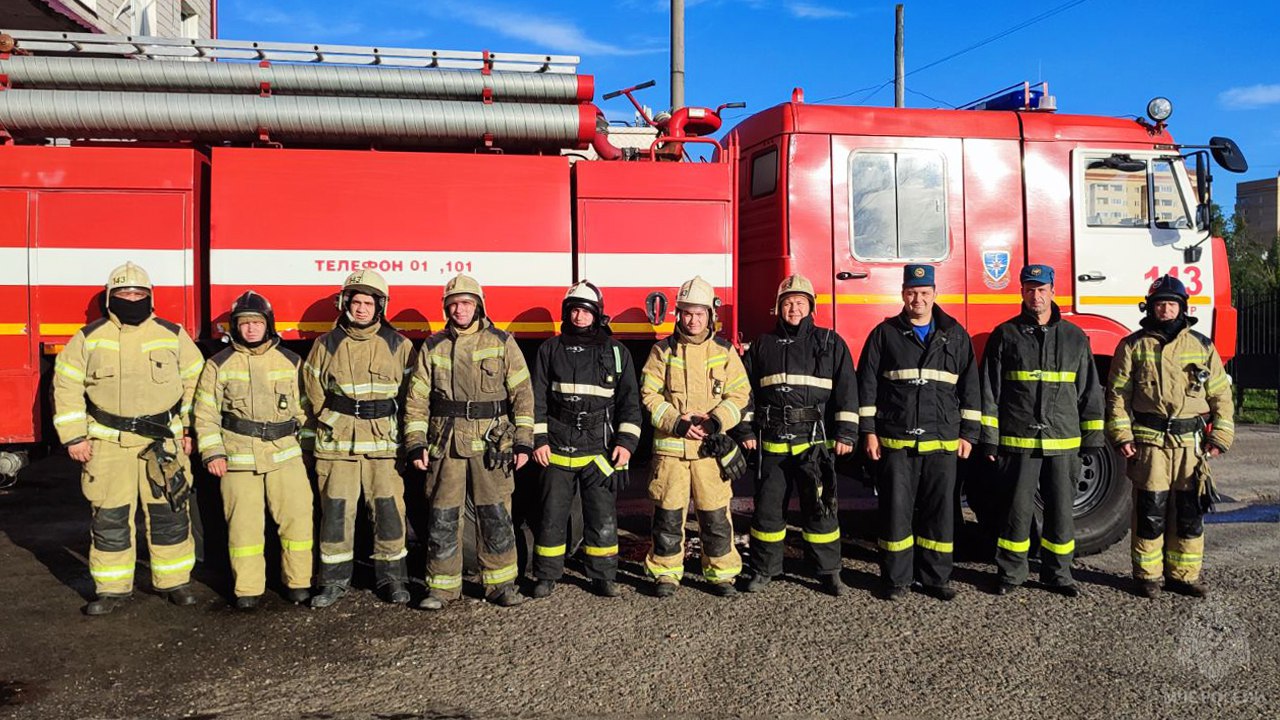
(260, 430)
(581, 419)
(1173, 426)
(155, 426)
(775, 416)
(362, 409)
(469, 409)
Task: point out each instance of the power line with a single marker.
(981, 43)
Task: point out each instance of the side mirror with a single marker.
(1191, 255)
(655, 307)
(1227, 154)
(1120, 162)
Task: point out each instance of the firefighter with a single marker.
(469, 425)
(920, 411)
(1169, 409)
(805, 406)
(122, 392)
(695, 389)
(354, 379)
(586, 426)
(1041, 408)
(248, 414)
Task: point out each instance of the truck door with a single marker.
(18, 379)
(895, 201)
(1132, 222)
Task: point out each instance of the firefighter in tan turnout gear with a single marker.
(469, 425)
(354, 380)
(1169, 409)
(695, 389)
(247, 417)
(122, 392)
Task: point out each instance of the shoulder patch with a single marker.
(501, 334)
(332, 339)
(289, 355)
(722, 342)
(1208, 344)
(222, 356)
(174, 328)
(94, 326)
(436, 338)
(392, 338)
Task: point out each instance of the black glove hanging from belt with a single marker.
(733, 463)
(818, 465)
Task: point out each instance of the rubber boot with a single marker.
(724, 589)
(431, 602)
(506, 596)
(831, 585)
(665, 589)
(945, 593)
(105, 604)
(605, 588)
(248, 603)
(1190, 589)
(328, 595)
(757, 583)
(297, 596)
(543, 589)
(181, 596)
(1149, 589)
(395, 592)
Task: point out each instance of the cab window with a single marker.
(898, 205)
(1124, 192)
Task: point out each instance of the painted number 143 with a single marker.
(1190, 276)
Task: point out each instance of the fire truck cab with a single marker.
(848, 195)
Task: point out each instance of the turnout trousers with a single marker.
(673, 482)
(917, 517)
(246, 497)
(113, 481)
(600, 523)
(1168, 526)
(449, 479)
(779, 475)
(341, 483)
(1020, 476)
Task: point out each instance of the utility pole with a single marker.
(899, 63)
(677, 54)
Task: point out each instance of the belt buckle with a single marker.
(916, 431)
(466, 412)
(919, 381)
(786, 415)
(355, 409)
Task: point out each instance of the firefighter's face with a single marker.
(1037, 297)
(1166, 310)
(462, 311)
(694, 319)
(794, 308)
(363, 308)
(252, 329)
(918, 301)
(581, 317)
(130, 294)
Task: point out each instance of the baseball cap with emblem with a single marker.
(917, 276)
(1036, 274)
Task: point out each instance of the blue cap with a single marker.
(1041, 274)
(917, 276)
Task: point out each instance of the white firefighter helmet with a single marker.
(463, 285)
(697, 292)
(130, 276)
(368, 282)
(583, 294)
(796, 285)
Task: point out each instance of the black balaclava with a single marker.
(130, 312)
(571, 334)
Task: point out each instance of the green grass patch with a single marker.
(1258, 408)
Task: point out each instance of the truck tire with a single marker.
(1103, 501)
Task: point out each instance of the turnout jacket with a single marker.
(370, 363)
(126, 370)
(586, 399)
(925, 397)
(1152, 376)
(481, 364)
(808, 367)
(1040, 389)
(257, 384)
(692, 375)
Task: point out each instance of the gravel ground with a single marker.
(788, 652)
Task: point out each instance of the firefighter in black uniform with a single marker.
(805, 395)
(586, 426)
(1041, 408)
(918, 381)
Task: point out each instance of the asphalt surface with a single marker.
(788, 652)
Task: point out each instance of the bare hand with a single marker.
(1211, 450)
(871, 444)
(186, 445)
(965, 448)
(1127, 450)
(217, 467)
(843, 448)
(81, 452)
(621, 456)
(421, 462)
(542, 455)
(750, 445)
(695, 431)
(521, 459)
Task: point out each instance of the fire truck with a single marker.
(283, 167)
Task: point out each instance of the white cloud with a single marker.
(550, 32)
(1249, 97)
(811, 11)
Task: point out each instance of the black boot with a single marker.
(665, 589)
(757, 583)
(605, 588)
(831, 584)
(395, 593)
(328, 595)
(1190, 589)
(1149, 589)
(892, 592)
(297, 596)
(182, 595)
(248, 603)
(723, 589)
(506, 596)
(1070, 590)
(944, 592)
(1006, 588)
(543, 589)
(431, 602)
(105, 604)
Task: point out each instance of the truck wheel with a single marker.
(1102, 503)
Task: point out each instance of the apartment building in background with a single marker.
(161, 18)
(1258, 204)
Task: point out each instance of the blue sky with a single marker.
(1215, 60)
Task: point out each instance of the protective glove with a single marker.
(733, 462)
